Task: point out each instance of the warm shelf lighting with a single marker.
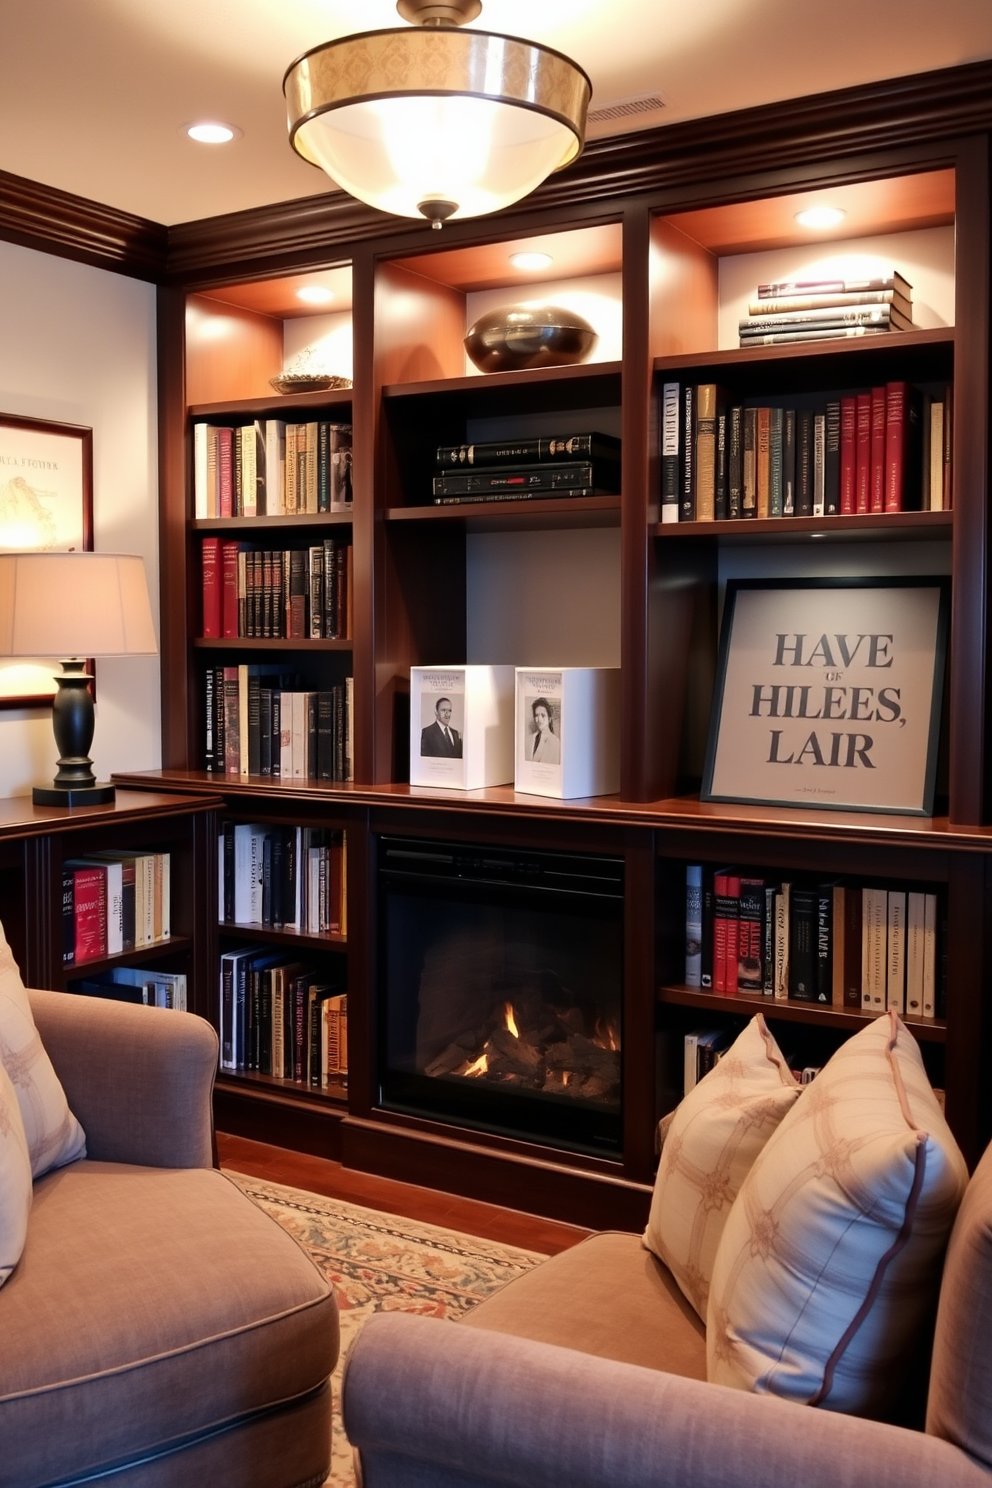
(315, 294)
(433, 121)
(530, 262)
(212, 133)
(820, 217)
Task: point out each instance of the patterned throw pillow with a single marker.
(15, 1179)
(54, 1135)
(712, 1139)
(830, 1258)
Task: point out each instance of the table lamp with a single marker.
(74, 605)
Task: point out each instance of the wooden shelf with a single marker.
(516, 516)
(815, 363)
(865, 526)
(278, 643)
(287, 936)
(157, 951)
(846, 1020)
(547, 389)
(275, 405)
(235, 1079)
(271, 524)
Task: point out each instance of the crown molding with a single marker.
(53, 221)
(931, 107)
(677, 159)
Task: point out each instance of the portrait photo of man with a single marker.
(439, 740)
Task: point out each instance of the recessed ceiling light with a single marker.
(211, 132)
(820, 216)
(315, 294)
(531, 260)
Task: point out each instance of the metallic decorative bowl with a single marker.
(307, 382)
(510, 339)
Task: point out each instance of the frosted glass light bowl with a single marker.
(514, 338)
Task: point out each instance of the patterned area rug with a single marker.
(381, 1263)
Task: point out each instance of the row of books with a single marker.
(113, 902)
(259, 722)
(145, 985)
(271, 468)
(705, 1047)
(883, 449)
(284, 878)
(835, 944)
(821, 309)
(291, 593)
(278, 1017)
(528, 469)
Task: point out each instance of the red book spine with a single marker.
(862, 469)
(876, 500)
(848, 454)
(225, 471)
(733, 931)
(229, 604)
(211, 588)
(896, 396)
(719, 933)
(90, 900)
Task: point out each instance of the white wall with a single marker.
(77, 346)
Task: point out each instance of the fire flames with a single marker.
(553, 1055)
(480, 1066)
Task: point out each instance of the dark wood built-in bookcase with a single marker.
(669, 221)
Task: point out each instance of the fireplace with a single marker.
(500, 990)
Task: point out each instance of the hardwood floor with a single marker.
(317, 1175)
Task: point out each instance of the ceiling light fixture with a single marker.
(212, 133)
(432, 121)
(315, 294)
(531, 261)
(820, 216)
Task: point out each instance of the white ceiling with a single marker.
(95, 92)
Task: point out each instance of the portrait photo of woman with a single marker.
(544, 745)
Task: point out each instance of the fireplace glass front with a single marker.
(501, 981)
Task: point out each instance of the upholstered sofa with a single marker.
(158, 1329)
(591, 1370)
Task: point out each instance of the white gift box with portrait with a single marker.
(481, 699)
(568, 731)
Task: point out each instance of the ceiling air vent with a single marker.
(626, 108)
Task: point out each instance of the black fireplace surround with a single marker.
(501, 989)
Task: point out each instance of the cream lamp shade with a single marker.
(74, 605)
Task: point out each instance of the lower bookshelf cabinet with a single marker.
(357, 1105)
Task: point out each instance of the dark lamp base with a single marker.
(77, 795)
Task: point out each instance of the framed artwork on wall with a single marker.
(828, 694)
(46, 502)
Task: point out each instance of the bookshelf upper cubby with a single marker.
(706, 264)
(240, 336)
(578, 269)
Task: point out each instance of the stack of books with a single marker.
(881, 449)
(821, 309)
(113, 902)
(528, 469)
(835, 944)
(281, 1018)
(150, 987)
(257, 721)
(283, 878)
(293, 594)
(269, 468)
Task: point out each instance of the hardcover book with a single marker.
(567, 729)
(461, 726)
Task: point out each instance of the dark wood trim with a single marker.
(266, 241)
(888, 115)
(54, 221)
(175, 599)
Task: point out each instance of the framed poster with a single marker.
(828, 694)
(46, 502)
